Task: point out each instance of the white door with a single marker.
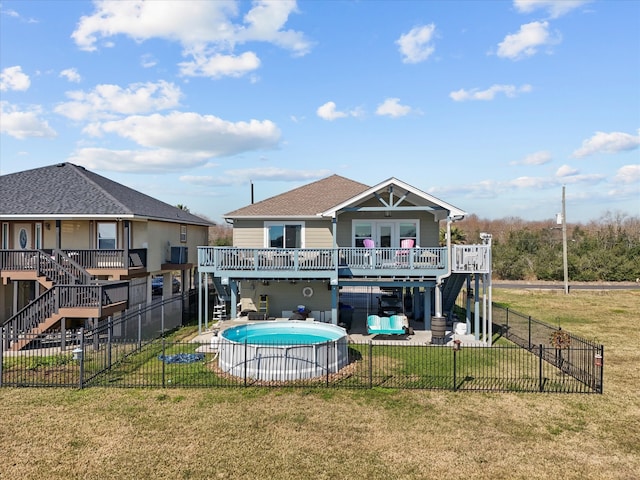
(22, 239)
(385, 235)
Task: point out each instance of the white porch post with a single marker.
(334, 304)
(200, 277)
(476, 308)
(233, 287)
(427, 308)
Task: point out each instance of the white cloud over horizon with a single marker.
(537, 158)
(71, 74)
(328, 111)
(602, 142)
(391, 107)
(244, 176)
(23, 124)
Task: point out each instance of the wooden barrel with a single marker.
(438, 327)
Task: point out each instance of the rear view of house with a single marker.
(306, 245)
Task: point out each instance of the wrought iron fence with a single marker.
(165, 363)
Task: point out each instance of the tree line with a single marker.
(606, 249)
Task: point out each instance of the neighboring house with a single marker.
(303, 246)
(77, 246)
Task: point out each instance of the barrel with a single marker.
(438, 327)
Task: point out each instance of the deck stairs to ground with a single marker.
(71, 292)
(222, 291)
(452, 286)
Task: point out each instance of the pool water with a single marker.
(282, 334)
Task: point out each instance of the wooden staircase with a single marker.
(71, 293)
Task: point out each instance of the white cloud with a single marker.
(148, 60)
(218, 66)
(104, 101)
(244, 176)
(12, 78)
(24, 124)
(137, 161)
(628, 174)
(416, 46)
(392, 108)
(490, 93)
(555, 8)
(602, 142)
(192, 132)
(537, 158)
(527, 41)
(329, 112)
(71, 74)
(566, 171)
(207, 31)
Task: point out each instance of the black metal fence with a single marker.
(137, 349)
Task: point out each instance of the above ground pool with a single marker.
(283, 351)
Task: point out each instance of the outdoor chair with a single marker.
(402, 256)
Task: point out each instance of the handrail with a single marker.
(321, 259)
(65, 296)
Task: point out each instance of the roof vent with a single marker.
(61, 165)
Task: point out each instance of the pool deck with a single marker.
(357, 334)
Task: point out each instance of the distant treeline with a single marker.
(607, 249)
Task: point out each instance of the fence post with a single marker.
(109, 339)
(370, 364)
(327, 355)
(139, 326)
(529, 333)
(81, 374)
(540, 379)
(507, 321)
(245, 362)
(163, 361)
(2, 333)
(455, 385)
(601, 368)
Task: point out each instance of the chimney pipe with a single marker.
(251, 192)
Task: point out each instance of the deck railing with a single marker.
(321, 259)
(73, 260)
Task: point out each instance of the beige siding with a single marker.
(251, 234)
(284, 296)
(74, 234)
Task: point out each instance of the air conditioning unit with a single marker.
(179, 255)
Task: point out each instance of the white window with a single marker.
(38, 238)
(183, 233)
(284, 235)
(361, 232)
(107, 239)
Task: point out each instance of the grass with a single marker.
(287, 433)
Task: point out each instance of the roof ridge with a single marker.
(83, 172)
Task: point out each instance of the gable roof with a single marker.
(328, 196)
(305, 201)
(398, 191)
(68, 190)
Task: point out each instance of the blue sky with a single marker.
(490, 106)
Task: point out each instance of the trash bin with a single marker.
(345, 317)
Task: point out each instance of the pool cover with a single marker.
(182, 358)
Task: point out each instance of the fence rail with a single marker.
(135, 350)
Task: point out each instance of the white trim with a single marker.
(450, 210)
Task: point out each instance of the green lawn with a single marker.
(293, 433)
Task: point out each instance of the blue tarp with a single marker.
(182, 358)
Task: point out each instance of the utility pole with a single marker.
(564, 244)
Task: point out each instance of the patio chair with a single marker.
(402, 256)
(369, 255)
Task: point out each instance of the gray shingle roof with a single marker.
(67, 189)
(308, 200)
